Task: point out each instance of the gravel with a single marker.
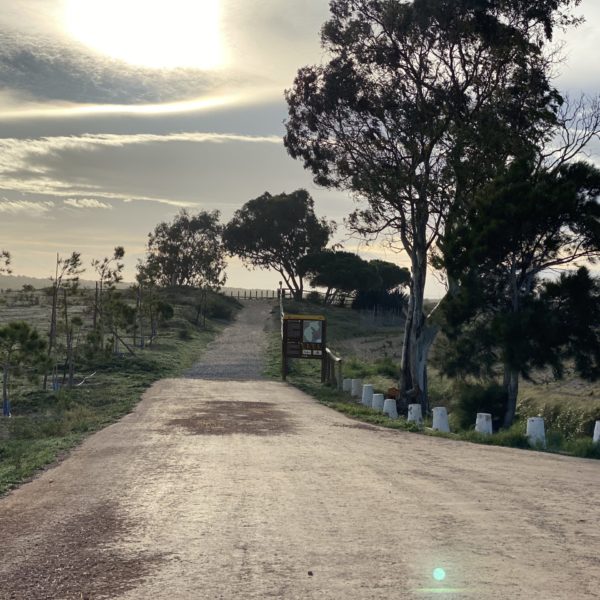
(238, 354)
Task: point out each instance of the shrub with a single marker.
(570, 420)
(216, 309)
(475, 398)
(184, 334)
(387, 367)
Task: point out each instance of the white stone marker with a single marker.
(597, 433)
(483, 423)
(356, 388)
(378, 401)
(347, 385)
(440, 419)
(367, 394)
(389, 408)
(415, 414)
(536, 432)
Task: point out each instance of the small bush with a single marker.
(184, 334)
(475, 398)
(387, 367)
(216, 309)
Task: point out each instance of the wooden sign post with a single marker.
(303, 336)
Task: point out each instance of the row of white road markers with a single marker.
(483, 424)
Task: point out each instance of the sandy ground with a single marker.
(217, 489)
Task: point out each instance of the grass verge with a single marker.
(46, 425)
(305, 375)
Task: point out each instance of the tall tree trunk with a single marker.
(421, 336)
(511, 385)
(511, 375)
(405, 383)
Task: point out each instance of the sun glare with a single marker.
(150, 33)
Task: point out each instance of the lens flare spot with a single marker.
(439, 574)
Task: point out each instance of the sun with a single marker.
(161, 34)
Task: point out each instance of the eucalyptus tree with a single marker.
(419, 104)
(188, 251)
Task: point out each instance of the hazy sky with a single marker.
(117, 113)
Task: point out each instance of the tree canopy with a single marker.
(419, 104)
(338, 272)
(524, 223)
(275, 232)
(187, 251)
(342, 272)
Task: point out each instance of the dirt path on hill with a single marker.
(216, 489)
(238, 353)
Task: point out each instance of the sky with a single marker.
(116, 114)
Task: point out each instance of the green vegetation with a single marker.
(275, 232)
(470, 168)
(46, 424)
(569, 408)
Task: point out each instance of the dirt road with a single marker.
(251, 490)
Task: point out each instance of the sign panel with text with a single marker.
(303, 336)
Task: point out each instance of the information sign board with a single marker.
(303, 336)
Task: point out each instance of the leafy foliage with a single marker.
(338, 271)
(345, 272)
(5, 259)
(187, 251)
(387, 294)
(471, 399)
(522, 224)
(420, 104)
(275, 232)
(20, 345)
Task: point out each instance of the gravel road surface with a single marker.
(238, 353)
(216, 489)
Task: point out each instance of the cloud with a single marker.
(87, 203)
(51, 69)
(14, 207)
(33, 165)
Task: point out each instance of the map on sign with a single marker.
(312, 332)
(304, 336)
